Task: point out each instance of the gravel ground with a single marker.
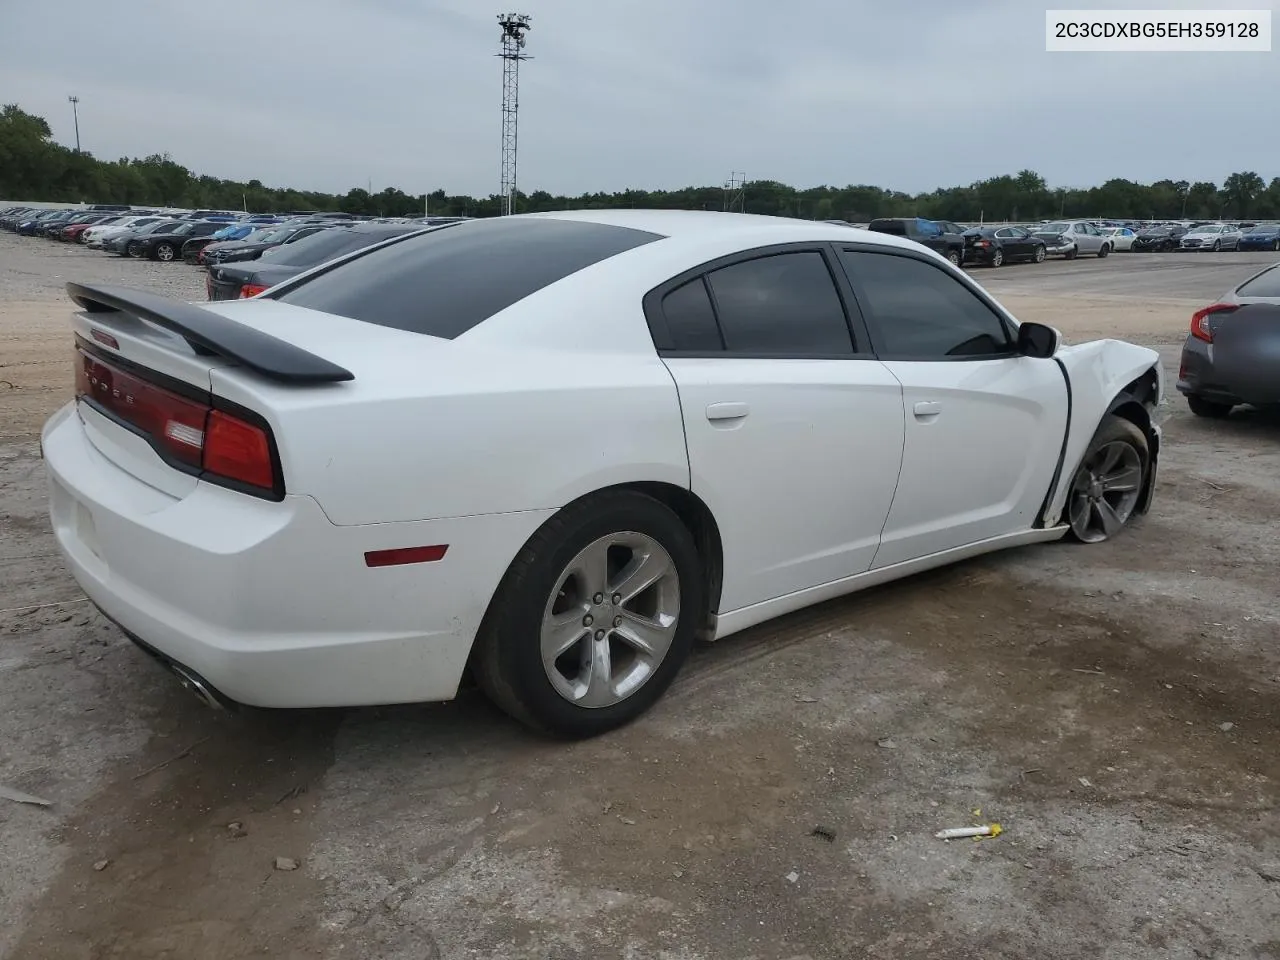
(1114, 707)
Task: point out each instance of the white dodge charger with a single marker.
(552, 450)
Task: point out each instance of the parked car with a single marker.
(1262, 236)
(1161, 238)
(930, 233)
(74, 232)
(1121, 237)
(232, 231)
(166, 245)
(1232, 353)
(1211, 236)
(120, 244)
(346, 498)
(96, 236)
(994, 246)
(257, 243)
(1071, 238)
(232, 281)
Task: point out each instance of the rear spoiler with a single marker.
(212, 334)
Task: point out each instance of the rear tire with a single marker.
(1071, 254)
(165, 252)
(548, 645)
(1039, 255)
(953, 256)
(1207, 408)
(1104, 250)
(1275, 244)
(997, 258)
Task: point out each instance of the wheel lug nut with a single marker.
(617, 621)
(617, 598)
(598, 598)
(599, 634)
(588, 620)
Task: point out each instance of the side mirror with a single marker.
(1038, 340)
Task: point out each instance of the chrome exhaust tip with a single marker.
(196, 686)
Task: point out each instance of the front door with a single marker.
(794, 430)
(984, 425)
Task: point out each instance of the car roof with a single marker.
(752, 229)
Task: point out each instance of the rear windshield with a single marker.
(1265, 284)
(326, 245)
(452, 278)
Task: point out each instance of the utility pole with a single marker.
(75, 113)
(514, 27)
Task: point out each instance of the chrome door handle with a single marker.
(727, 411)
(927, 409)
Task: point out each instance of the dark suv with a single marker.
(938, 235)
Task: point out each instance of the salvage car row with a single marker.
(244, 254)
(993, 245)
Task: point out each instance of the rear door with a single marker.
(984, 425)
(794, 430)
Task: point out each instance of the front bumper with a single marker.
(270, 604)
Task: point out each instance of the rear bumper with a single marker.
(1251, 378)
(270, 603)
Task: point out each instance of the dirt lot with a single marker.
(1116, 708)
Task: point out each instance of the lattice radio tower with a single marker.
(514, 26)
(735, 193)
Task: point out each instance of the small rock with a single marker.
(1085, 782)
(1269, 872)
(792, 877)
(677, 874)
(806, 699)
(286, 863)
(887, 743)
(101, 865)
(235, 825)
(1226, 727)
(628, 821)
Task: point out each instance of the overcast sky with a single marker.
(907, 94)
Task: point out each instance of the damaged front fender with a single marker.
(1105, 377)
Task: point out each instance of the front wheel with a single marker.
(1275, 244)
(594, 617)
(1104, 250)
(165, 252)
(1108, 483)
(1217, 245)
(1039, 256)
(953, 256)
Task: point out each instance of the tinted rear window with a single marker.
(452, 278)
(895, 227)
(1265, 284)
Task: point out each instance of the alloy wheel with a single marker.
(610, 620)
(1105, 491)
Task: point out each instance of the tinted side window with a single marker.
(918, 311)
(447, 280)
(780, 305)
(691, 321)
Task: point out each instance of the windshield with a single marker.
(1056, 227)
(161, 226)
(183, 229)
(1209, 229)
(1266, 228)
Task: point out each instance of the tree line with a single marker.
(35, 167)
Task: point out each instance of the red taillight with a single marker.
(1202, 326)
(251, 290)
(981, 243)
(238, 450)
(187, 432)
